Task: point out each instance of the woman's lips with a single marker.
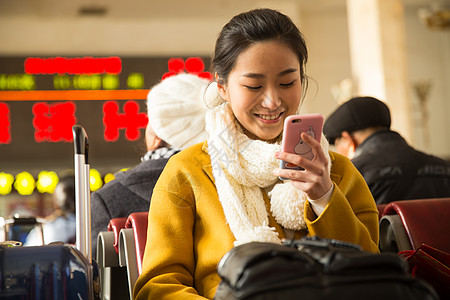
(269, 118)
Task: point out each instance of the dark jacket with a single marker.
(394, 170)
(129, 192)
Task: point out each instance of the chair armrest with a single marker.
(127, 257)
(393, 236)
(106, 253)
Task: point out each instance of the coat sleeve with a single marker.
(351, 214)
(168, 263)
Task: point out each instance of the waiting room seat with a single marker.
(116, 225)
(407, 224)
(112, 275)
(139, 221)
(132, 240)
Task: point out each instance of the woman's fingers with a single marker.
(315, 146)
(314, 178)
(298, 160)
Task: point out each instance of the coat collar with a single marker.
(207, 167)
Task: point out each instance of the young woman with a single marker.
(225, 192)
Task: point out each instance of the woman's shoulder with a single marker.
(339, 160)
(193, 155)
(341, 164)
(183, 171)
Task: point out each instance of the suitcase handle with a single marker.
(82, 192)
(80, 141)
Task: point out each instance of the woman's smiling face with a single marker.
(264, 88)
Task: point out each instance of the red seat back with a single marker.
(138, 221)
(115, 225)
(426, 221)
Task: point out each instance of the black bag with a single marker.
(315, 268)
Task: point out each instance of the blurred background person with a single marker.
(360, 130)
(60, 225)
(176, 121)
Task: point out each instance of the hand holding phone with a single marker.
(292, 142)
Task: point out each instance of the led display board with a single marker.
(41, 98)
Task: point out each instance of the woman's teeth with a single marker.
(269, 117)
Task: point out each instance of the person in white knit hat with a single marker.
(176, 111)
(176, 121)
(227, 192)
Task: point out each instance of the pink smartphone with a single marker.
(292, 143)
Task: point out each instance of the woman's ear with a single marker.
(221, 87)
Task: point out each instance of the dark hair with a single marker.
(256, 26)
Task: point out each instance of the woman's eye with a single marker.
(287, 84)
(253, 87)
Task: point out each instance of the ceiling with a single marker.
(159, 9)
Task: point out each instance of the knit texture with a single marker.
(176, 111)
(241, 167)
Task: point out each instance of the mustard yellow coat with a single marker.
(188, 234)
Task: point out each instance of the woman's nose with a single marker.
(271, 99)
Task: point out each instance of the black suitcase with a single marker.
(314, 268)
(45, 272)
(56, 271)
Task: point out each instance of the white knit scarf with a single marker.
(241, 167)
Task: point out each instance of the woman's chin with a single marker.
(270, 135)
(270, 138)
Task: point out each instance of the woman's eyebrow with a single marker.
(258, 75)
(253, 75)
(287, 71)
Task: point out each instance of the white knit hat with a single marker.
(176, 111)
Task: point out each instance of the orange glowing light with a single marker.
(73, 95)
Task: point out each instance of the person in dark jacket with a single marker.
(176, 121)
(393, 170)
